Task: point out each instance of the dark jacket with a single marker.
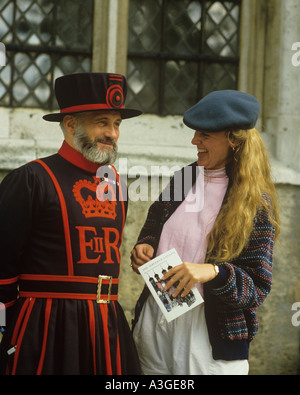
(232, 298)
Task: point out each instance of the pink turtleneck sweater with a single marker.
(187, 228)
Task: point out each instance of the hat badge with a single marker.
(115, 95)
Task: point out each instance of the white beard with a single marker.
(90, 150)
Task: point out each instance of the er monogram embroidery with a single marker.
(102, 202)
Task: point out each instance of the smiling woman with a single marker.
(226, 247)
(214, 150)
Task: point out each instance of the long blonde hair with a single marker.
(250, 183)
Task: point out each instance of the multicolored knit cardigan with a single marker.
(232, 298)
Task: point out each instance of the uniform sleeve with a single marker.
(17, 204)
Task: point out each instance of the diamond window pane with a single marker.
(73, 64)
(31, 85)
(219, 76)
(222, 28)
(143, 82)
(183, 27)
(181, 78)
(6, 21)
(5, 77)
(194, 45)
(42, 91)
(20, 90)
(144, 32)
(33, 21)
(44, 39)
(73, 25)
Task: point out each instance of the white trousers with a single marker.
(180, 347)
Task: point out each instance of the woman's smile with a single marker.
(213, 149)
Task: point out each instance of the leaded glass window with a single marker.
(180, 50)
(44, 39)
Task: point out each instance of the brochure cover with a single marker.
(153, 271)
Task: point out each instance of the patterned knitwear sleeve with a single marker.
(249, 277)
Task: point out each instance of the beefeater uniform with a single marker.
(61, 227)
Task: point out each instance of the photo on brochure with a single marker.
(153, 272)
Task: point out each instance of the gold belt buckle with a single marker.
(100, 278)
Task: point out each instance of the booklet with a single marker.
(153, 271)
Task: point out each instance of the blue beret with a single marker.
(223, 110)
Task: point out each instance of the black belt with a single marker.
(103, 288)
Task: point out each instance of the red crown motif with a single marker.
(102, 206)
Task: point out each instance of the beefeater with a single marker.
(61, 227)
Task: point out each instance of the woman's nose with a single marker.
(196, 139)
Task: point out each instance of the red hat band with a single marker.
(87, 107)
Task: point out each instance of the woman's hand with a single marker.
(141, 254)
(188, 274)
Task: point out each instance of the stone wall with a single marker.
(275, 350)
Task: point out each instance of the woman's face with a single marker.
(214, 150)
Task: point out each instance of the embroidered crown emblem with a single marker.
(104, 203)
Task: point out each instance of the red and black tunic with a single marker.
(61, 225)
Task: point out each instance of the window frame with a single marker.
(201, 58)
